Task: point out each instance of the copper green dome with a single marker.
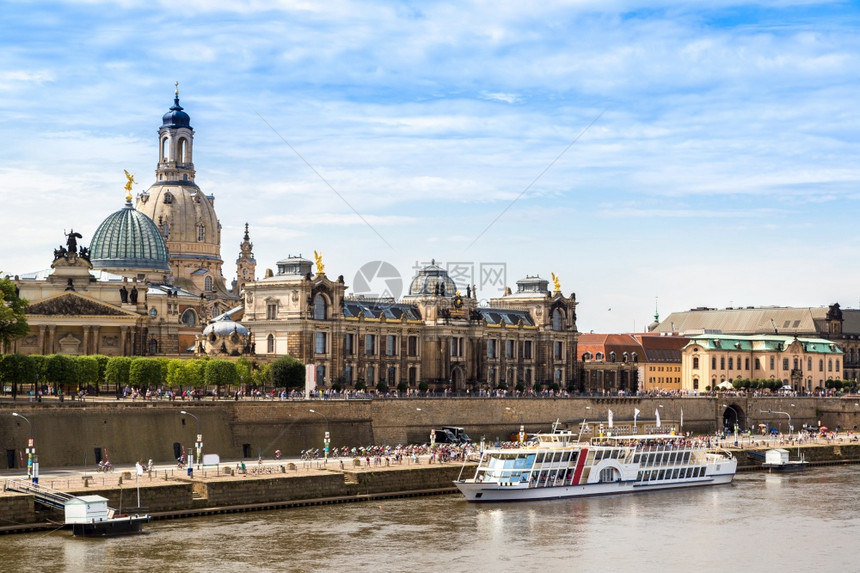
(128, 240)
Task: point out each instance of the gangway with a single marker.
(46, 496)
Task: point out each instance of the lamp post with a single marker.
(737, 419)
(327, 439)
(199, 443)
(32, 458)
(432, 432)
(784, 414)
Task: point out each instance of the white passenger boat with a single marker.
(559, 465)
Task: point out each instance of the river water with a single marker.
(762, 522)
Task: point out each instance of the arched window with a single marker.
(625, 357)
(270, 344)
(208, 283)
(319, 307)
(201, 233)
(612, 356)
(182, 151)
(695, 362)
(189, 317)
(168, 198)
(557, 320)
(165, 149)
(598, 356)
(635, 357)
(586, 356)
(165, 230)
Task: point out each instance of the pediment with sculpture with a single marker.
(73, 304)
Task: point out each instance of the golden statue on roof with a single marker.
(556, 283)
(129, 182)
(320, 265)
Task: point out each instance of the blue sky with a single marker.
(702, 153)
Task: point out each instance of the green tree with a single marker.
(176, 378)
(116, 371)
(102, 360)
(13, 310)
(61, 371)
(18, 369)
(193, 372)
(144, 372)
(288, 372)
(88, 370)
(243, 371)
(220, 372)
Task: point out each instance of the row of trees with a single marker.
(64, 373)
(774, 385)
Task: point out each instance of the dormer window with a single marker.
(201, 233)
(168, 198)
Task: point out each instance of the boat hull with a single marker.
(483, 492)
(107, 528)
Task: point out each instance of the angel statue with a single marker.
(320, 265)
(556, 283)
(130, 181)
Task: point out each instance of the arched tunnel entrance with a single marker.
(732, 415)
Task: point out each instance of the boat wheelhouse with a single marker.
(558, 465)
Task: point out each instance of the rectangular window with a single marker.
(785, 363)
(369, 344)
(772, 363)
(527, 350)
(320, 343)
(809, 364)
(391, 345)
(271, 311)
(347, 374)
(491, 348)
(731, 363)
(454, 344)
(713, 362)
(746, 363)
(412, 346)
(757, 364)
(837, 365)
(509, 348)
(349, 344)
(558, 350)
(722, 362)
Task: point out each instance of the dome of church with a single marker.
(176, 117)
(128, 240)
(225, 327)
(432, 280)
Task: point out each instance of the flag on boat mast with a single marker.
(657, 413)
(609, 417)
(635, 417)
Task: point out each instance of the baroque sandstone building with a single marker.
(151, 277)
(434, 334)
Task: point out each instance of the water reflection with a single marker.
(770, 521)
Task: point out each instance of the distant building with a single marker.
(710, 361)
(436, 334)
(609, 363)
(832, 323)
(660, 368)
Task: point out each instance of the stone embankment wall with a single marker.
(68, 434)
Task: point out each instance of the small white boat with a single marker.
(777, 460)
(557, 465)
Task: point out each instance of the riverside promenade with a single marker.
(168, 492)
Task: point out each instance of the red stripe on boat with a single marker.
(580, 463)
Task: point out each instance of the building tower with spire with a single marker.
(246, 264)
(185, 216)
